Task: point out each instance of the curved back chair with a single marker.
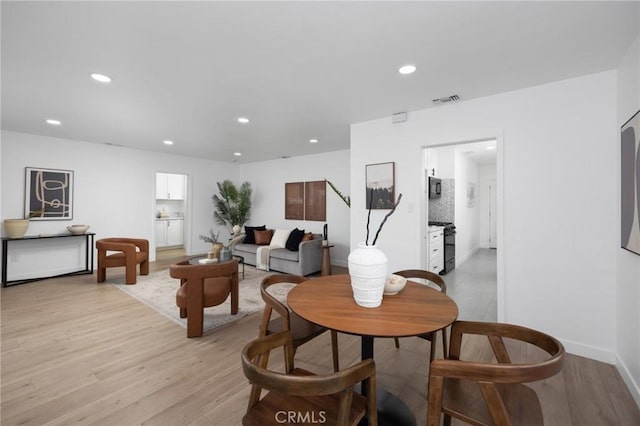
(129, 253)
(203, 286)
(439, 282)
(483, 393)
(301, 330)
(327, 399)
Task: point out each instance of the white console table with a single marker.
(88, 266)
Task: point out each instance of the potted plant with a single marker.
(216, 246)
(233, 205)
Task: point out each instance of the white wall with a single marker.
(553, 268)
(114, 189)
(627, 263)
(114, 192)
(466, 171)
(486, 173)
(268, 179)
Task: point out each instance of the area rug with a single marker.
(158, 291)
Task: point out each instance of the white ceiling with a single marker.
(299, 70)
(482, 153)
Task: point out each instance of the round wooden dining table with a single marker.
(417, 309)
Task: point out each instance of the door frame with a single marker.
(188, 209)
(500, 246)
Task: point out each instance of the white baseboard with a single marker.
(590, 352)
(461, 260)
(633, 386)
(42, 274)
(342, 263)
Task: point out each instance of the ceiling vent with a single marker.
(451, 98)
(399, 117)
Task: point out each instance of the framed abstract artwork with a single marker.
(630, 185)
(48, 194)
(380, 185)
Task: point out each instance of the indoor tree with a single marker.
(233, 205)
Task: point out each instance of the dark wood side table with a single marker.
(326, 260)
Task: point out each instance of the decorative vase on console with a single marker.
(368, 267)
(15, 228)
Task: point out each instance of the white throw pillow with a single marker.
(280, 237)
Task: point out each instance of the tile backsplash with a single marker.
(443, 209)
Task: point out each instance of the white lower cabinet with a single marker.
(169, 232)
(436, 249)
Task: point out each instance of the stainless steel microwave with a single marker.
(435, 187)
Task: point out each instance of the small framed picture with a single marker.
(380, 185)
(471, 194)
(48, 194)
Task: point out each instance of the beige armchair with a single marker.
(129, 253)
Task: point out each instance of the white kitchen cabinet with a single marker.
(161, 233)
(436, 249)
(170, 186)
(175, 232)
(169, 233)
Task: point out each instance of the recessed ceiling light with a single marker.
(237, 154)
(54, 122)
(313, 140)
(243, 120)
(101, 78)
(407, 69)
(491, 147)
(167, 142)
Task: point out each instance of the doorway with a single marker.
(170, 213)
(468, 173)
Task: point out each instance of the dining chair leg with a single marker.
(334, 350)
(447, 420)
(445, 350)
(432, 352)
(397, 342)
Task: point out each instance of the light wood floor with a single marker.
(75, 352)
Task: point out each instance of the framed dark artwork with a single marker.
(294, 200)
(315, 200)
(630, 185)
(380, 185)
(48, 194)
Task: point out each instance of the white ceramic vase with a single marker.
(368, 271)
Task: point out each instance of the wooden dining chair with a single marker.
(308, 398)
(439, 282)
(301, 330)
(490, 393)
